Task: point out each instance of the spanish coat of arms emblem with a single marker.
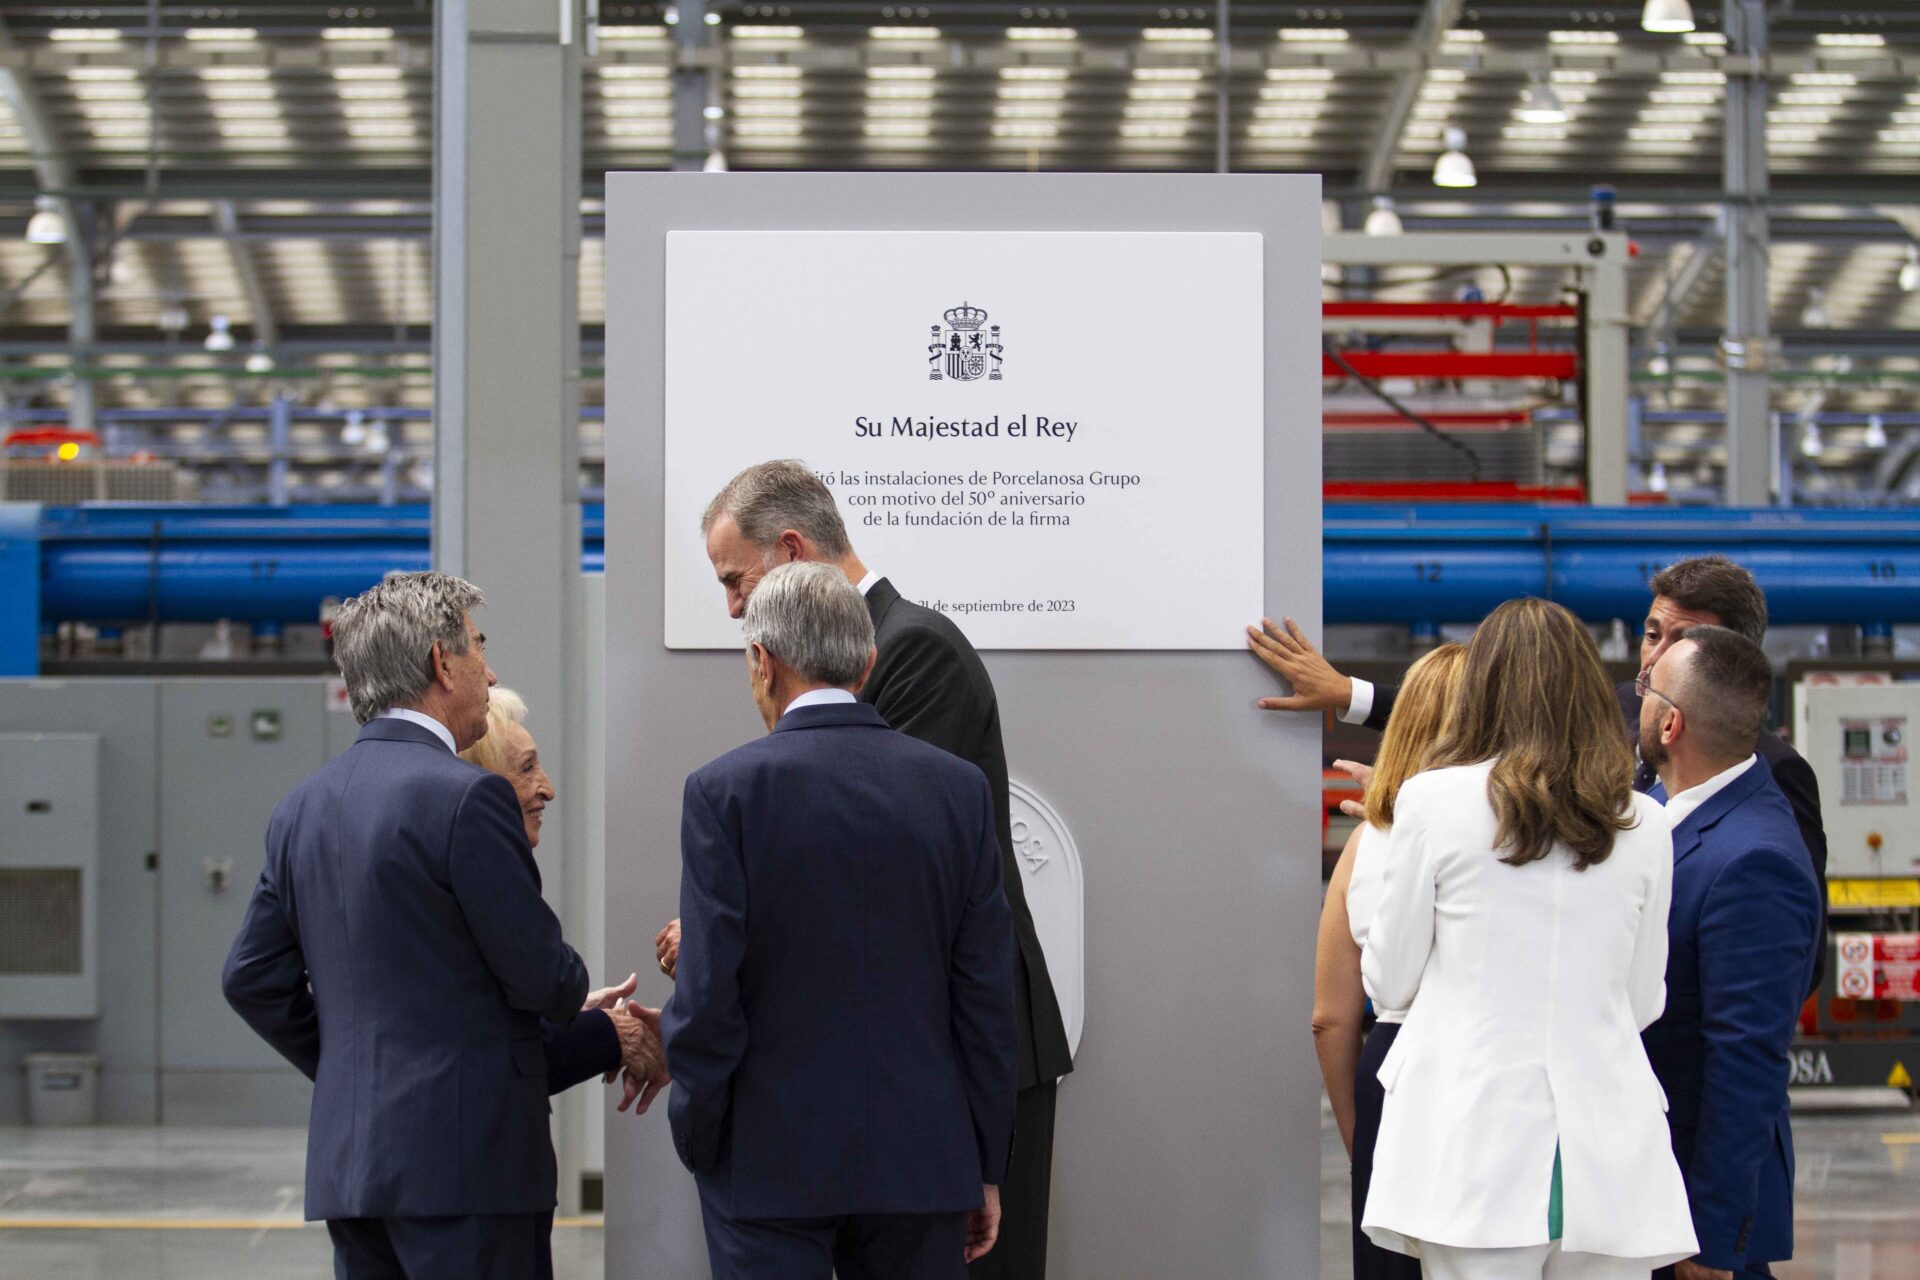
(966, 348)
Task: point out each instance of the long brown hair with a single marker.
(1419, 715)
(1534, 699)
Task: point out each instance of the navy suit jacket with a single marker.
(841, 1033)
(398, 952)
(1742, 934)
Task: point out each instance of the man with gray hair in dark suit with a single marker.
(397, 951)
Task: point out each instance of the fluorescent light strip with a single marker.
(619, 33)
(1163, 92)
(1321, 74)
(739, 73)
(1705, 38)
(1293, 93)
(1849, 40)
(767, 33)
(101, 73)
(900, 92)
(767, 129)
(1812, 98)
(373, 92)
(111, 90)
(1464, 35)
(776, 89)
(1033, 92)
(1153, 130)
(1582, 37)
(1270, 131)
(1314, 35)
(654, 130)
(1660, 133)
(1158, 110)
(83, 35)
(357, 33)
(632, 110)
(1840, 78)
(903, 33)
(1042, 33)
(642, 89)
(1033, 73)
(637, 71)
(223, 35)
(366, 73)
(1693, 77)
(1177, 35)
(1534, 132)
(899, 73)
(1026, 110)
(1026, 131)
(1677, 97)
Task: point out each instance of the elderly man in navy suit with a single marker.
(1743, 930)
(397, 951)
(842, 1035)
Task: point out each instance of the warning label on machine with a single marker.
(1878, 966)
(1873, 760)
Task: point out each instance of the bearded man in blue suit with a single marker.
(1743, 931)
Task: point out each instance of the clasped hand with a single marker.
(643, 1059)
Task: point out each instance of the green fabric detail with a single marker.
(1555, 1211)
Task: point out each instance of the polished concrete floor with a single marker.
(224, 1204)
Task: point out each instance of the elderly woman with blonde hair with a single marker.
(610, 1034)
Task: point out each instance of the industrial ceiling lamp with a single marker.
(1667, 17)
(47, 225)
(1815, 315)
(1541, 105)
(1661, 364)
(259, 360)
(1657, 477)
(1875, 436)
(1382, 220)
(219, 335)
(353, 432)
(172, 319)
(1910, 270)
(716, 162)
(1454, 168)
(1810, 442)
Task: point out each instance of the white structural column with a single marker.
(695, 138)
(506, 357)
(1751, 453)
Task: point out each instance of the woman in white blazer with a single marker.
(1523, 925)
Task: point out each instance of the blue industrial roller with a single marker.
(1435, 564)
(1417, 566)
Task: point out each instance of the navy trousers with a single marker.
(506, 1246)
(1370, 1261)
(880, 1246)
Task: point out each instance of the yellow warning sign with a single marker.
(1874, 893)
(1898, 1077)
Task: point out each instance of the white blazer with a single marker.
(1526, 989)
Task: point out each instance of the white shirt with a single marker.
(1681, 806)
(1367, 880)
(425, 721)
(866, 584)
(817, 698)
(1360, 706)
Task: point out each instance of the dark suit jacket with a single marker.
(1792, 774)
(841, 1031)
(930, 684)
(398, 952)
(1742, 934)
(579, 1051)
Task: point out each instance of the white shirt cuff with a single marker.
(1361, 704)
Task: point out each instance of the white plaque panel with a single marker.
(1055, 438)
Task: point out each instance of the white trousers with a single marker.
(1536, 1262)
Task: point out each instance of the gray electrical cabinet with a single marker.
(230, 749)
(49, 875)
